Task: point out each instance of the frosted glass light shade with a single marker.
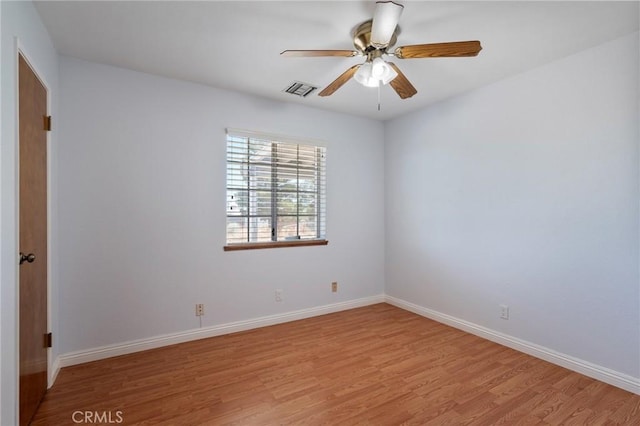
(364, 75)
(372, 74)
(382, 71)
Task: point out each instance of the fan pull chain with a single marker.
(378, 95)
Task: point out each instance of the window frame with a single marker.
(276, 163)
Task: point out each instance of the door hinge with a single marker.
(48, 340)
(47, 123)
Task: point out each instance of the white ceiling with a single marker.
(236, 44)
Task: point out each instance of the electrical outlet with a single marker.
(334, 287)
(504, 312)
(199, 309)
(279, 295)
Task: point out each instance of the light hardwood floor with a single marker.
(375, 365)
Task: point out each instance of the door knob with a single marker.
(27, 257)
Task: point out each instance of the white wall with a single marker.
(1, 232)
(526, 193)
(142, 208)
(20, 19)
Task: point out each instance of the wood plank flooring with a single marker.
(376, 365)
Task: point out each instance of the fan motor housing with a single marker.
(362, 38)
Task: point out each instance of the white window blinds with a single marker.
(276, 189)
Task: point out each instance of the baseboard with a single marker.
(597, 372)
(80, 357)
(53, 372)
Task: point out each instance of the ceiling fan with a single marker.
(374, 39)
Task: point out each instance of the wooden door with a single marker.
(32, 99)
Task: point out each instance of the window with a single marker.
(276, 192)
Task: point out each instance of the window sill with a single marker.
(275, 244)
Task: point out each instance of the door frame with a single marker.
(20, 49)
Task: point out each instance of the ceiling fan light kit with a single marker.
(375, 73)
(372, 39)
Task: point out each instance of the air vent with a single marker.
(300, 89)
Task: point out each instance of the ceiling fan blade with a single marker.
(401, 84)
(338, 82)
(437, 50)
(307, 53)
(385, 21)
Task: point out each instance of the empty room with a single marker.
(320, 212)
